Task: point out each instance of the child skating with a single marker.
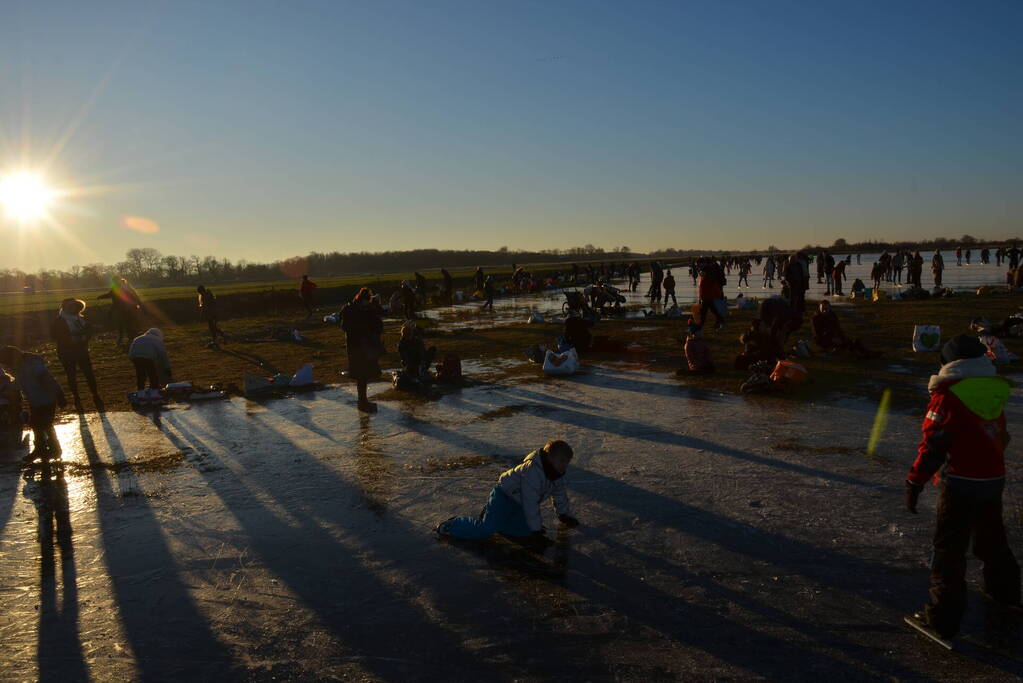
(513, 508)
(964, 436)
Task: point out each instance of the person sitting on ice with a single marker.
(416, 359)
(759, 343)
(828, 334)
(858, 287)
(577, 332)
(697, 352)
(513, 508)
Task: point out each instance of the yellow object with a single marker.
(880, 295)
(983, 290)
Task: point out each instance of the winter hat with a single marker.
(982, 325)
(155, 332)
(962, 347)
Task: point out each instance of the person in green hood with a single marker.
(963, 449)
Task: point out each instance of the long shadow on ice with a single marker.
(59, 649)
(169, 636)
(370, 591)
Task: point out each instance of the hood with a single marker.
(974, 382)
(155, 332)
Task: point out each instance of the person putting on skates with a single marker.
(964, 437)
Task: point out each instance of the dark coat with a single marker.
(363, 329)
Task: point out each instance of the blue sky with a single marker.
(261, 130)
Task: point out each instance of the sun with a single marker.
(25, 196)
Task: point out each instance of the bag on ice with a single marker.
(926, 338)
(561, 363)
(304, 376)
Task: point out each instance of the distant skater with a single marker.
(209, 311)
(307, 292)
(669, 288)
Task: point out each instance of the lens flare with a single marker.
(25, 196)
(880, 422)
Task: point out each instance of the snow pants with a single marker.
(969, 510)
(501, 515)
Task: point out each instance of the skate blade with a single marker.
(926, 630)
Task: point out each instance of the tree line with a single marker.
(147, 267)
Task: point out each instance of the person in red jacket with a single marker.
(710, 293)
(964, 437)
(307, 292)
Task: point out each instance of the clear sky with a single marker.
(261, 130)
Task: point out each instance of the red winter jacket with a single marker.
(709, 288)
(964, 432)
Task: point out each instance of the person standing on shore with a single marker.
(71, 331)
(307, 292)
(124, 309)
(363, 326)
(209, 311)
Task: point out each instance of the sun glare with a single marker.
(25, 196)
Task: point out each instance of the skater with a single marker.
(744, 271)
(711, 295)
(307, 292)
(43, 394)
(514, 505)
(937, 267)
(488, 293)
(360, 319)
(149, 356)
(407, 296)
(71, 331)
(769, 266)
(837, 275)
(448, 291)
(209, 311)
(964, 436)
(915, 269)
(669, 288)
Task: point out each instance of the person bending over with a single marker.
(513, 508)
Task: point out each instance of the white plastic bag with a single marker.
(331, 319)
(560, 363)
(926, 338)
(304, 376)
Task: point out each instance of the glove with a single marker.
(538, 541)
(569, 521)
(912, 495)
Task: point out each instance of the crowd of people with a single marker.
(964, 431)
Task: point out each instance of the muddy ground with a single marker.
(721, 537)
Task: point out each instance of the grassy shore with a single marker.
(498, 353)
